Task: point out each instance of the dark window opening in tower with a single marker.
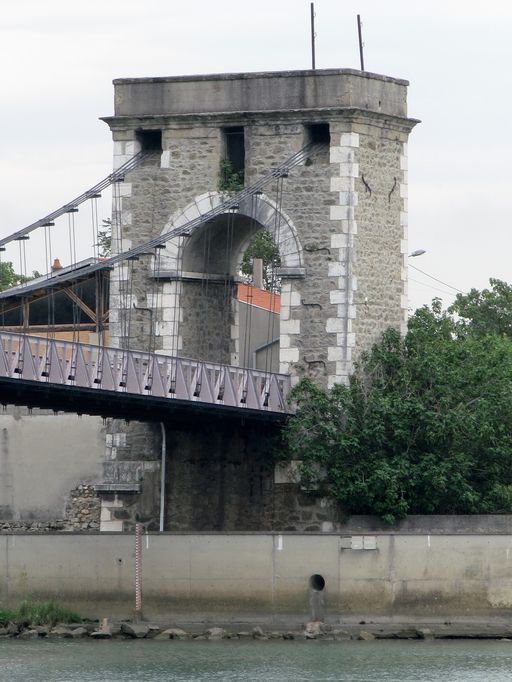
(317, 133)
(149, 140)
(233, 163)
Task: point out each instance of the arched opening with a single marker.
(211, 315)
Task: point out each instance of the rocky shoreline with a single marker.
(313, 630)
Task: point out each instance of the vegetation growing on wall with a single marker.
(425, 426)
(264, 247)
(230, 179)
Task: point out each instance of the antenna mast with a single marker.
(360, 41)
(313, 36)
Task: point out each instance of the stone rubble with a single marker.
(312, 630)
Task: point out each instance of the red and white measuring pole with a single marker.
(138, 571)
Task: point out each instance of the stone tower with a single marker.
(339, 219)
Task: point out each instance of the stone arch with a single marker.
(183, 259)
(259, 210)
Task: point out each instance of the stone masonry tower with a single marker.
(339, 220)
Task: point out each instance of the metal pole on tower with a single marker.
(313, 36)
(360, 33)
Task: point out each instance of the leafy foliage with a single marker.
(39, 613)
(9, 278)
(486, 312)
(264, 247)
(230, 179)
(425, 425)
(104, 242)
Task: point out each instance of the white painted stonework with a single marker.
(342, 213)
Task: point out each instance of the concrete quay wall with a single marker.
(267, 577)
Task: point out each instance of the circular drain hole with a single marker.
(317, 582)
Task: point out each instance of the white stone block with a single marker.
(339, 240)
(341, 155)
(286, 288)
(289, 355)
(204, 204)
(126, 218)
(351, 340)
(337, 296)
(290, 327)
(404, 301)
(111, 526)
(349, 140)
(284, 367)
(119, 148)
(342, 184)
(334, 354)
(403, 190)
(350, 170)
(285, 341)
(404, 219)
(132, 147)
(337, 269)
(191, 213)
(169, 314)
(125, 189)
(294, 299)
(120, 160)
(334, 379)
(404, 163)
(334, 325)
(285, 312)
(403, 246)
(405, 149)
(341, 213)
(349, 227)
(348, 199)
(165, 159)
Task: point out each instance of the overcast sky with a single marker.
(59, 58)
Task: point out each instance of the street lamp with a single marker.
(418, 252)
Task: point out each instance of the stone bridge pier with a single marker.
(339, 221)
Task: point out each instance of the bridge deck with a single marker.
(92, 379)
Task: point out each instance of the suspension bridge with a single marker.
(46, 371)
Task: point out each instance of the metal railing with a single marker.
(82, 365)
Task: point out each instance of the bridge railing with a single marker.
(82, 365)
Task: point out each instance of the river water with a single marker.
(272, 661)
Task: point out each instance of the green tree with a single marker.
(9, 278)
(486, 312)
(264, 247)
(425, 425)
(104, 242)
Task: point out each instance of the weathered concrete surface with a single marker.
(274, 91)
(264, 578)
(43, 458)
